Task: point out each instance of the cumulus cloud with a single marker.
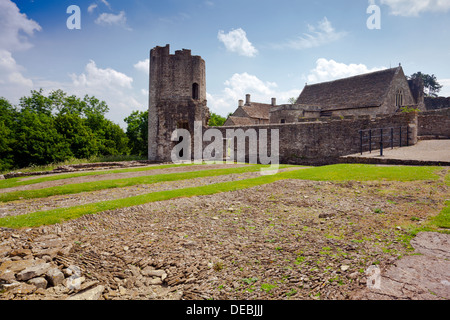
(143, 65)
(15, 27)
(10, 71)
(415, 7)
(110, 19)
(101, 78)
(241, 84)
(317, 36)
(445, 91)
(13, 84)
(327, 70)
(112, 86)
(236, 41)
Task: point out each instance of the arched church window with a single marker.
(399, 98)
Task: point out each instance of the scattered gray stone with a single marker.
(91, 294)
(149, 272)
(7, 276)
(55, 277)
(39, 282)
(74, 282)
(33, 272)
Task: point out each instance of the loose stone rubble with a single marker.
(291, 239)
(40, 268)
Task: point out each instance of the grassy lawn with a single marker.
(120, 183)
(340, 172)
(16, 182)
(361, 172)
(59, 215)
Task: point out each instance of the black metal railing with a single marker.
(380, 138)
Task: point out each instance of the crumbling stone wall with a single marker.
(434, 124)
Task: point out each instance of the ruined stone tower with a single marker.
(177, 98)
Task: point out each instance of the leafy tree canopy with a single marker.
(431, 85)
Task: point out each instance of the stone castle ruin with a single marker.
(177, 98)
(328, 120)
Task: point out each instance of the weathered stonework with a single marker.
(381, 92)
(306, 134)
(177, 97)
(323, 142)
(432, 103)
(434, 123)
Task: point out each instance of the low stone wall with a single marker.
(434, 124)
(323, 142)
(81, 167)
(436, 103)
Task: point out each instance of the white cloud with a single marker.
(445, 91)
(15, 27)
(317, 36)
(101, 78)
(241, 84)
(143, 65)
(107, 84)
(415, 7)
(327, 70)
(92, 7)
(13, 84)
(106, 3)
(110, 19)
(236, 41)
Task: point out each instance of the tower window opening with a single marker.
(195, 91)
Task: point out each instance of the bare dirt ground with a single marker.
(291, 239)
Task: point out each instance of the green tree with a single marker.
(216, 120)
(77, 134)
(38, 141)
(431, 85)
(137, 132)
(37, 102)
(7, 116)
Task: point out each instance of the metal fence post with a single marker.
(392, 138)
(381, 142)
(361, 141)
(407, 136)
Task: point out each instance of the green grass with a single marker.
(442, 220)
(16, 182)
(331, 173)
(36, 219)
(361, 172)
(120, 183)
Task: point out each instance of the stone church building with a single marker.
(382, 92)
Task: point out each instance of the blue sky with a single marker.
(265, 48)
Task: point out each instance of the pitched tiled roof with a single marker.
(238, 121)
(257, 110)
(367, 90)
